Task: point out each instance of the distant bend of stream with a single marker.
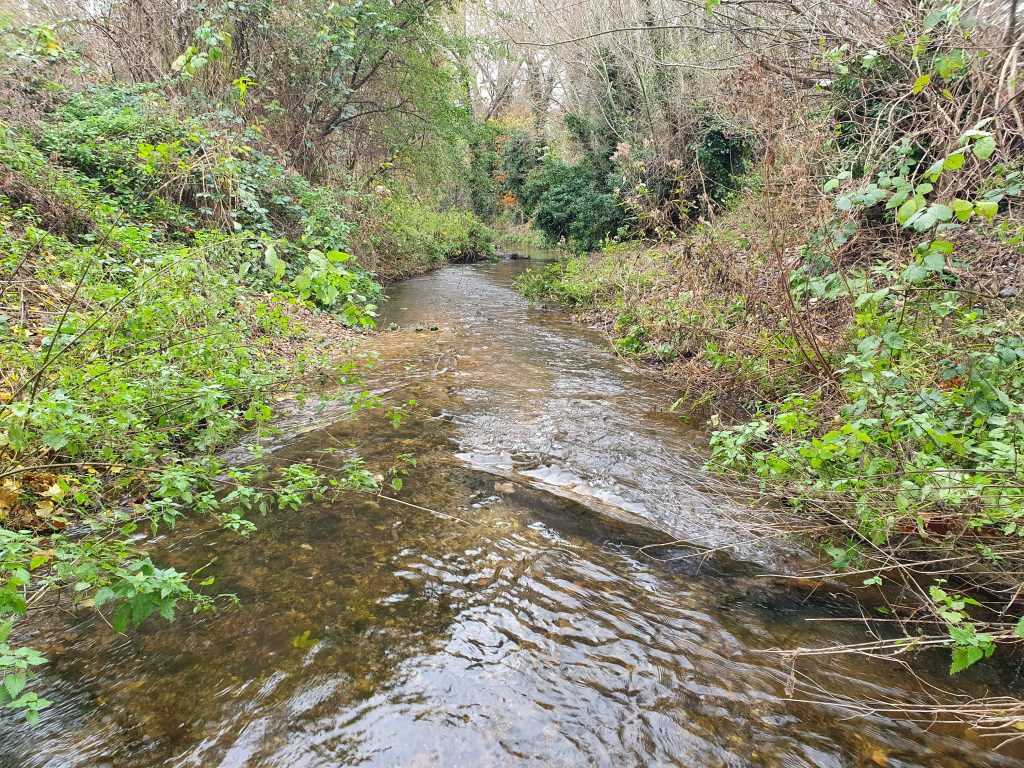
(523, 626)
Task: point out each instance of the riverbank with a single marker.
(163, 290)
(876, 395)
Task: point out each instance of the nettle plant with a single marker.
(925, 445)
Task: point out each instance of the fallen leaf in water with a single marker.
(878, 757)
(304, 641)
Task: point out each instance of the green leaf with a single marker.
(1018, 631)
(934, 262)
(907, 210)
(275, 262)
(122, 616)
(15, 683)
(104, 595)
(167, 609)
(950, 64)
(921, 83)
(986, 209)
(893, 340)
(840, 556)
(963, 657)
(935, 170)
(984, 147)
(941, 211)
(953, 162)
(963, 209)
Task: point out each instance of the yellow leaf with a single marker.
(55, 492)
(114, 469)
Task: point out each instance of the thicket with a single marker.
(852, 315)
(600, 186)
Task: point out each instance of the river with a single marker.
(518, 623)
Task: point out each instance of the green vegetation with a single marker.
(858, 337)
(174, 263)
(405, 237)
(810, 222)
(131, 354)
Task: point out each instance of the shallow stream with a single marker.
(521, 626)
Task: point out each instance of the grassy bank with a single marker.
(402, 237)
(829, 258)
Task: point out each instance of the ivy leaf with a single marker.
(840, 556)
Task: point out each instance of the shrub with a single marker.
(568, 203)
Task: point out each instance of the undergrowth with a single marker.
(157, 278)
(879, 381)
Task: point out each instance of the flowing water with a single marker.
(519, 623)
